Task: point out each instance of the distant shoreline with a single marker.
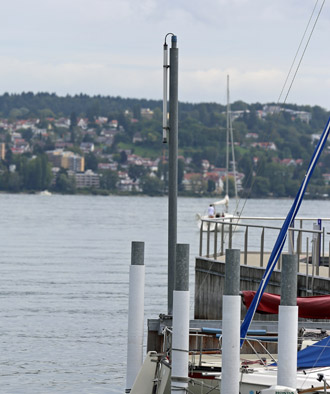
(105, 193)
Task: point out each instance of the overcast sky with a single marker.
(114, 47)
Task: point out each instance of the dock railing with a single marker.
(256, 236)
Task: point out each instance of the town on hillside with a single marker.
(122, 152)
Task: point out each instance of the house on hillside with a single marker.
(252, 135)
(216, 178)
(194, 182)
(264, 145)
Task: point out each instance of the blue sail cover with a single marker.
(276, 252)
(316, 355)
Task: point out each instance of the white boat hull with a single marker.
(211, 224)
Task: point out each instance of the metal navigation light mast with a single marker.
(170, 132)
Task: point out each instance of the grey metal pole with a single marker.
(173, 171)
(288, 323)
(182, 267)
(232, 272)
(137, 253)
(289, 279)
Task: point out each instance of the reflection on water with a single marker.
(64, 265)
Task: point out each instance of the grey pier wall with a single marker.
(210, 280)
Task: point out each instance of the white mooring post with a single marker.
(135, 314)
(288, 323)
(231, 315)
(180, 335)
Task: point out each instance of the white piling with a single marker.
(180, 335)
(288, 323)
(135, 314)
(287, 346)
(231, 314)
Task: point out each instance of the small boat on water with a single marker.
(224, 215)
(45, 193)
(209, 222)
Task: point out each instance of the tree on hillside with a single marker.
(152, 185)
(109, 180)
(73, 120)
(91, 162)
(123, 157)
(65, 184)
(135, 172)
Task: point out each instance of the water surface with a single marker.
(64, 265)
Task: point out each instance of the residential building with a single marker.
(216, 178)
(264, 145)
(87, 147)
(147, 113)
(126, 183)
(67, 160)
(87, 179)
(73, 162)
(326, 178)
(252, 135)
(194, 182)
(107, 166)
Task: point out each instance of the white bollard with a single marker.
(287, 346)
(180, 342)
(231, 321)
(288, 323)
(230, 370)
(135, 315)
(180, 335)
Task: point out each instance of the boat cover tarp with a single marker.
(316, 355)
(317, 307)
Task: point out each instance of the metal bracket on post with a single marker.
(165, 88)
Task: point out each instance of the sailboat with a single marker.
(224, 216)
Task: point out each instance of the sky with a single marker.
(114, 47)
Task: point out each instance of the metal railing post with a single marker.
(307, 264)
(323, 243)
(230, 241)
(262, 242)
(208, 240)
(314, 245)
(329, 261)
(215, 241)
(299, 245)
(201, 239)
(246, 237)
(300, 239)
(290, 242)
(279, 262)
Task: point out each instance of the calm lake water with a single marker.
(64, 283)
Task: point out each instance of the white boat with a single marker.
(257, 373)
(215, 222)
(45, 193)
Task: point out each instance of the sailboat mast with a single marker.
(227, 139)
(233, 157)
